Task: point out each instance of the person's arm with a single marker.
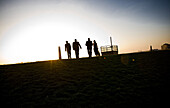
(80, 46)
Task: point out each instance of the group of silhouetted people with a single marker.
(76, 45)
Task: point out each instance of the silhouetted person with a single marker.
(76, 46)
(68, 49)
(89, 47)
(96, 51)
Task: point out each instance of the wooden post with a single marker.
(150, 47)
(59, 53)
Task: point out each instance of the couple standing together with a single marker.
(76, 46)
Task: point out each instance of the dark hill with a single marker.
(136, 79)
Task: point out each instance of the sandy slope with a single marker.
(139, 79)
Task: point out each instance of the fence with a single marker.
(109, 48)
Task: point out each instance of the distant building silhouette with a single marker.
(165, 46)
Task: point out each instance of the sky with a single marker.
(32, 30)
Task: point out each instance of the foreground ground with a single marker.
(140, 80)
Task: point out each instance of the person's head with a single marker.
(66, 41)
(94, 41)
(75, 40)
(88, 39)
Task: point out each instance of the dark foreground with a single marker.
(139, 80)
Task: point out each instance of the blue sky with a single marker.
(32, 30)
(156, 10)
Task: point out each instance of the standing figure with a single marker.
(89, 47)
(96, 51)
(68, 49)
(76, 46)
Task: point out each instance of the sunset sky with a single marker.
(32, 30)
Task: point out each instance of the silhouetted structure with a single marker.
(89, 47)
(151, 48)
(96, 51)
(109, 50)
(59, 53)
(76, 46)
(68, 49)
(165, 46)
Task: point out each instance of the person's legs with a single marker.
(77, 54)
(90, 52)
(69, 54)
(96, 52)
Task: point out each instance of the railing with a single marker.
(108, 48)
